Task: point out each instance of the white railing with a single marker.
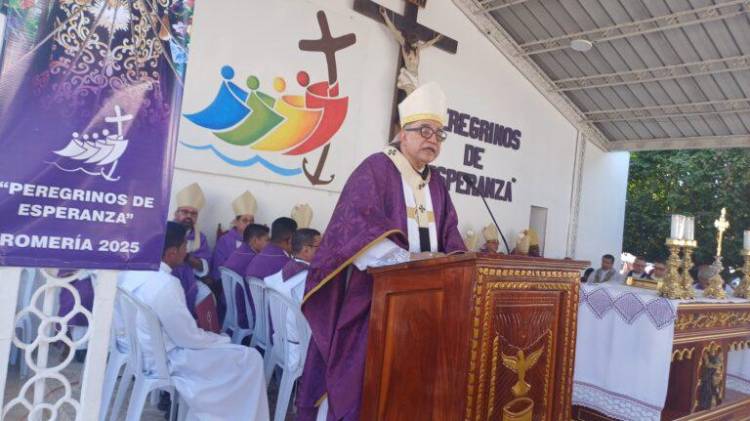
(52, 329)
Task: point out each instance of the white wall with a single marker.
(602, 209)
(478, 80)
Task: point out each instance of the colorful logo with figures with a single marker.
(287, 124)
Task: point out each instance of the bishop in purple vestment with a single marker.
(392, 208)
(244, 208)
(190, 201)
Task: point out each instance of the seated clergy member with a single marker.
(491, 239)
(393, 208)
(660, 271)
(217, 380)
(244, 209)
(290, 281)
(195, 268)
(277, 253)
(606, 272)
(639, 269)
(255, 238)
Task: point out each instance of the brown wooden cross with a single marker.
(328, 45)
(406, 23)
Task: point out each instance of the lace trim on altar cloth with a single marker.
(629, 306)
(613, 404)
(738, 383)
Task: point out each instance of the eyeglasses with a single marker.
(187, 212)
(427, 132)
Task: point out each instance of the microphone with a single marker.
(470, 182)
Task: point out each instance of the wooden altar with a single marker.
(704, 334)
(472, 337)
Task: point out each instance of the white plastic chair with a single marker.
(260, 329)
(289, 348)
(24, 328)
(230, 280)
(118, 358)
(147, 377)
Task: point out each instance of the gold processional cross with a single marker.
(721, 225)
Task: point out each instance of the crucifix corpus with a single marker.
(412, 38)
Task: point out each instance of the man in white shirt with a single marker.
(606, 272)
(217, 380)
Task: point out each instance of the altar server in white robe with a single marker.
(219, 381)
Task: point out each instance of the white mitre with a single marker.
(302, 214)
(490, 233)
(245, 204)
(191, 197)
(470, 240)
(427, 102)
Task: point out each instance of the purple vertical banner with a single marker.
(90, 95)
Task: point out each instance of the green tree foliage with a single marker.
(694, 183)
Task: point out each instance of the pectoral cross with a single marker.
(721, 225)
(413, 34)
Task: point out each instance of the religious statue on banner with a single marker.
(408, 76)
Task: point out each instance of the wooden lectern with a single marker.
(472, 337)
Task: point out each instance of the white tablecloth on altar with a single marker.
(624, 351)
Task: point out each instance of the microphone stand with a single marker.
(470, 182)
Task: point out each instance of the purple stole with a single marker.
(371, 207)
(293, 268)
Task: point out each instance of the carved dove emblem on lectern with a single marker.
(519, 365)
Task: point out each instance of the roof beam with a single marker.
(657, 24)
(681, 143)
(508, 47)
(490, 5)
(655, 74)
(730, 106)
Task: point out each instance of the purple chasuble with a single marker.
(269, 261)
(85, 290)
(371, 207)
(185, 274)
(225, 245)
(237, 262)
(292, 268)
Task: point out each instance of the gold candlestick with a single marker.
(688, 292)
(743, 289)
(671, 287)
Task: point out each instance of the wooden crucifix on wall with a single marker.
(412, 38)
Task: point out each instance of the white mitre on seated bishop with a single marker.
(302, 214)
(245, 204)
(471, 239)
(490, 233)
(428, 102)
(191, 197)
